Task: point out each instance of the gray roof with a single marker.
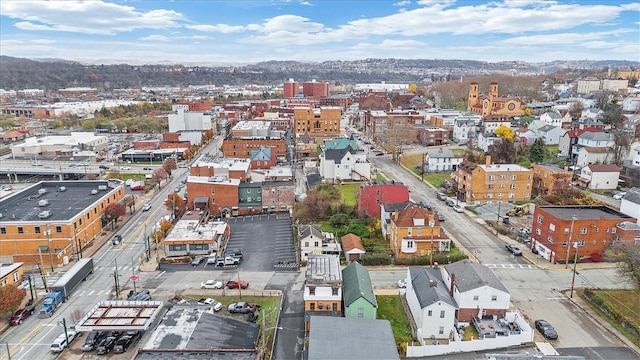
(202, 354)
(390, 207)
(470, 275)
(554, 115)
(441, 153)
(422, 280)
(308, 230)
(547, 128)
(633, 195)
(62, 205)
(337, 154)
(339, 338)
(594, 135)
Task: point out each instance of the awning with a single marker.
(43, 248)
(201, 199)
(584, 180)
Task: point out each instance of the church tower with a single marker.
(473, 96)
(493, 90)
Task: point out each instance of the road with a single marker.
(31, 340)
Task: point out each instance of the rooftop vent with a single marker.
(62, 189)
(45, 214)
(42, 191)
(102, 187)
(94, 192)
(43, 202)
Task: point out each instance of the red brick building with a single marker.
(146, 145)
(241, 148)
(215, 195)
(315, 89)
(290, 89)
(593, 228)
(316, 123)
(372, 196)
(231, 168)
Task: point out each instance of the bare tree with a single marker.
(627, 255)
(575, 110)
(621, 145)
(502, 152)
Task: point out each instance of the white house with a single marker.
(550, 134)
(600, 176)
(591, 139)
(631, 103)
(344, 164)
(630, 204)
(485, 140)
(315, 241)
(462, 128)
(441, 160)
(591, 113)
(592, 155)
(476, 290)
(552, 118)
(430, 304)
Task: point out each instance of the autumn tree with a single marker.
(627, 255)
(186, 154)
(175, 204)
(169, 165)
(130, 202)
(505, 133)
(575, 110)
(502, 152)
(536, 152)
(621, 145)
(158, 175)
(113, 212)
(10, 298)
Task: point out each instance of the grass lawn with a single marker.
(349, 192)
(390, 308)
(626, 301)
(437, 179)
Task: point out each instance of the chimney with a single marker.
(395, 215)
(453, 282)
(433, 283)
(487, 160)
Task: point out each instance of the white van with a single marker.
(60, 343)
(211, 259)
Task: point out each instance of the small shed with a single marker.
(352, 247)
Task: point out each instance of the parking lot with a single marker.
(266, 242)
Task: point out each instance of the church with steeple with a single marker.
(493, 104)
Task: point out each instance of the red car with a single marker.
(232, 284)
(20, 315)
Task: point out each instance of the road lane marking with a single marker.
(23, 339)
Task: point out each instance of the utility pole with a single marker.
(566, 262)
(575, 262)
(44, 279)
(498, 221)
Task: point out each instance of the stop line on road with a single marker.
(511, 266)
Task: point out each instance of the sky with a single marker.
(249, 31)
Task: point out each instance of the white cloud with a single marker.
(402, 3)
(156, 38)
(89, 17)
(219, 28)
(563, 38)
(391, 45)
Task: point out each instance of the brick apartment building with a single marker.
(315, 89)
(318, 122)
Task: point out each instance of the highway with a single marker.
(32, 339)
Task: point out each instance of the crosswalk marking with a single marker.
(511, 266)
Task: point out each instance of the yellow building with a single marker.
(415, 231)
(492, 104)
(11, 274)
(478, 184)
(629, 74)
(52, 221)
(318, 122)
(549, 178)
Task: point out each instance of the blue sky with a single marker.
(247, 31)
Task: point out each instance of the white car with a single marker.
(215, 304)
(458, 208)
(146, 207)
(211, 284)
(620, 195)
(125, 168)
(402, 283)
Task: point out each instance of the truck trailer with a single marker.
(72, 278)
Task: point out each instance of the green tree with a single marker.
(536, 152)
(612, 114)
(10, 298)
(627, 255)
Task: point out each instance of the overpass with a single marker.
(53, 169)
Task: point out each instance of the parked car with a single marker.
(60, 343)
(116, 239)
(147, 168)
(619, 195)
(122, 344)
(106, 345)
(402, 283)
(440, 216)
(125, 168)
(235, 254)
(233, 284)
(449, 202)
(513, 249)
(215, 304)
(92, 339)
(546, 329)
(458, 208)
(242, 307)
(441, 196)
(146, 207)
(20, 315)
(197, 260)
(211, 284)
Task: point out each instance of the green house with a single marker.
(357, 292)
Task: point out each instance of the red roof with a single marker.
(604, 168)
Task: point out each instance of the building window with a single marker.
(441, 330)
(613, 230)
(512, 186)
(36, 229)
(312, 307)
(583, 231)
(566, 231)
(429, 313)
(306, 244)
(58, 229)
(213, 191)
(182, 247)
(490, 186)
(334, 291)
(16, 277)
(492, 177)
(20, 230)
(550, 239)
(334, 307)
(494, 297)
(580, 242)
(360, 312)
(199, 247)
(3, 230)
(514, 177)
(441, 314)
(476, 298)
(539, 220)
(320, 306)
(552, 227)
(312, 290)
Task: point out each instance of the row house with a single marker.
(592, 155)
(416, 231)
(569, 141)
(631, 124)
(599, 176)
(358, 297)
(372, 196)
(486, 140)
(263, 158)
(479, 184)
(630, 172)
(550, 178)
(561, 233)
(323, 286)
(591, 139)
(233, 168)
(555, 119)
(550, 134)
(306, 147)
(387, 211)
(344, 164)
(315, 241)
(342, 101)
(464, 130)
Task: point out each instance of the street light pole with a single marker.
(575, 262)
(566, 262)
(49, 244)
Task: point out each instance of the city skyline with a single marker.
(240, 32)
